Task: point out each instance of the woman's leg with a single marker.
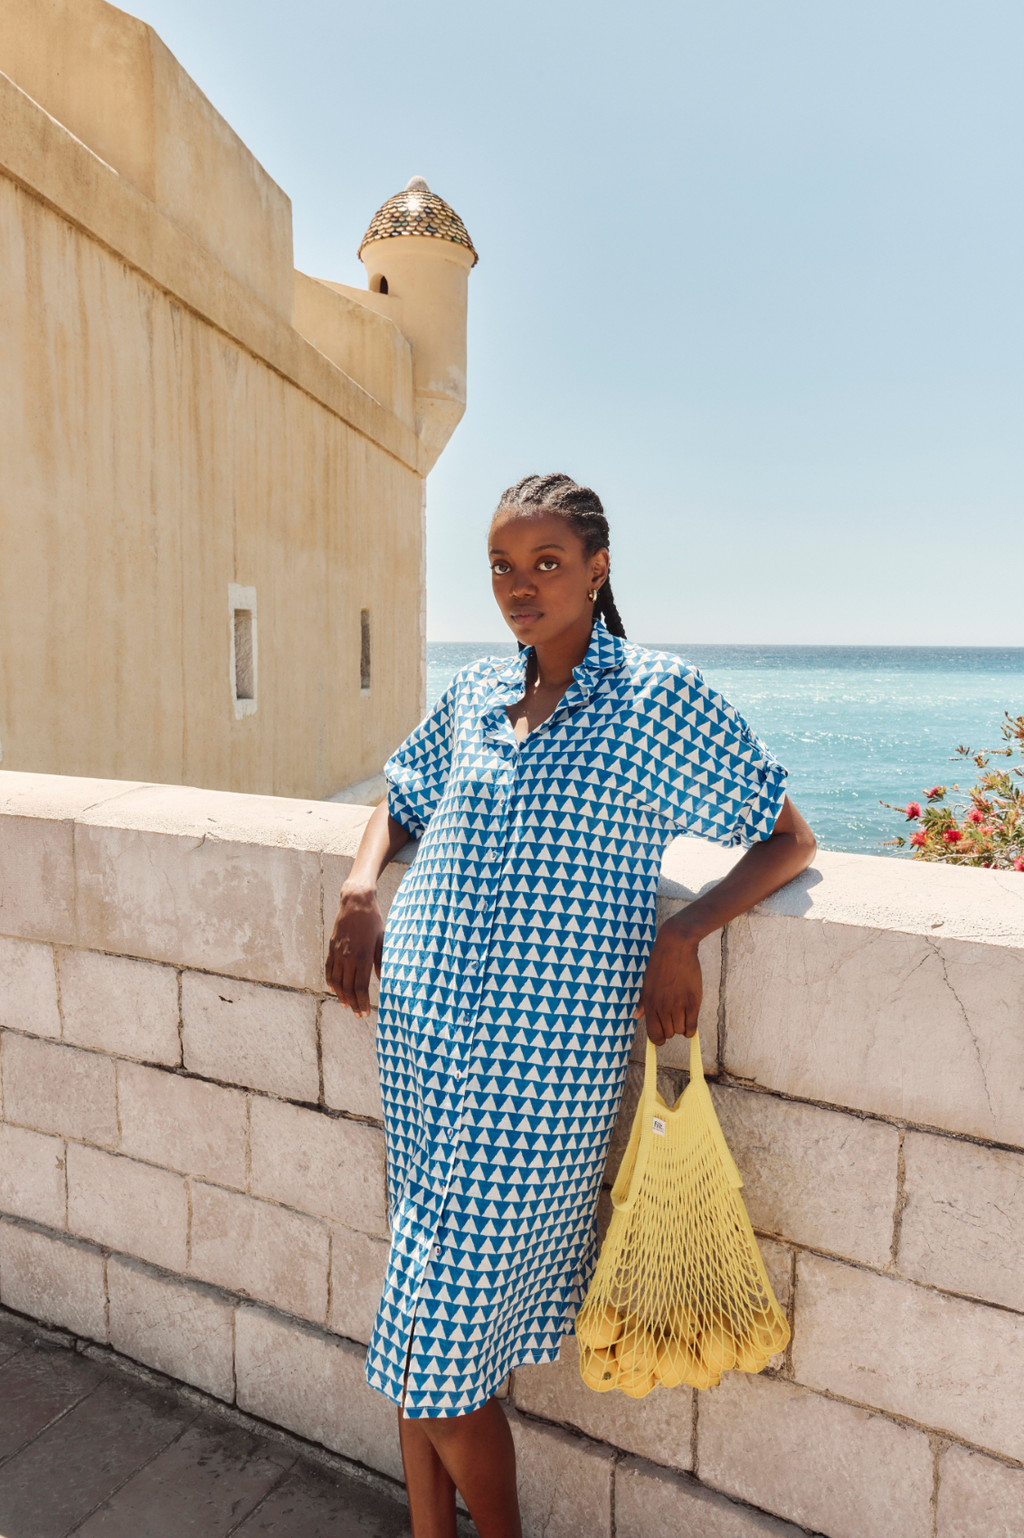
(430, 1488)
(472, 1453)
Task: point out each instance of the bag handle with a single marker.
(696, 1077)
(651, 1070)
(623, 1203)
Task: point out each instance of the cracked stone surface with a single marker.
(901, 1025)
(937, 1360)
(963, 1227)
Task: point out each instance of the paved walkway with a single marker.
(89, 1450)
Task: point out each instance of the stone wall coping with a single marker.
(984, 907)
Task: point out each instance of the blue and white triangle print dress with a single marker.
(513, 957)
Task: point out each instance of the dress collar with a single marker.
(605, 655)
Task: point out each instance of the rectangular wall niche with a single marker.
(364, 651)
(242, 611)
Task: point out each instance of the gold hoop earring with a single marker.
(591, 596)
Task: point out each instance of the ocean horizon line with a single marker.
(944, 648)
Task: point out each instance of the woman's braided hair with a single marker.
(582, 510)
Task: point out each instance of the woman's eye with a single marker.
(548, 565)
(501, 568)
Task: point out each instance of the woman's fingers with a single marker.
(361, 987)
(672, 1016)
(654, 1021)
(353, 952)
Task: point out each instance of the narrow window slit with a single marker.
(244, 672)
(364, 651)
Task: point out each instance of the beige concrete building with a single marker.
(212, 467)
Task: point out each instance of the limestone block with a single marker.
(59, 1089)
(963, 1225)
(818, 1177)
(261, 1037)
(826, 1466)
(692, 866)
(978, 905)
(314, 1384)
(565, 1482)
(53, 1278)
(358, 1264)
(978, 1497)
(259, 1250)
(184, 1124)
(658, 1427)
(940, 1361)
(37, 878)
(28, 988)
(180, 1328)
(55, 798)
(675, 1053)
(32, 1177)
(127, 1206)
(904, 1025)
(778, 1262)
(652, 1503)
(120, 1005)
(318, 1163)
(351, 1080)
(194, 898)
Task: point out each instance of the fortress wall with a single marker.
(168, 432)
(192, 1164)
(109, 79)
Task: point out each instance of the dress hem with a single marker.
(529, 1359)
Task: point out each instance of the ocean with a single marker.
(854, 725)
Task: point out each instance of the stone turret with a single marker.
(417, 252)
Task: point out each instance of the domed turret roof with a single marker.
(418, 211)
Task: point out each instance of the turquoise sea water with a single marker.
(853, 724)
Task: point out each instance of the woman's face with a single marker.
(541, 577)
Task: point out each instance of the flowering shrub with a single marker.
(988, 828)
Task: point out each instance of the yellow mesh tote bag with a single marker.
(680, 1293)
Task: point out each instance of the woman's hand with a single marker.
(358, 935)
(355, 948)
(673, 988)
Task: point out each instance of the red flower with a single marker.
(919, 838)
(936, 792)
(952, 835)
(986, 832)
(974, 815)
(913, 810)
(1018, 863)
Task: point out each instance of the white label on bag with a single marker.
(659, 1126)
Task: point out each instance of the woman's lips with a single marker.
(524, 616)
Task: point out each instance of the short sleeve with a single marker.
(708, 772)
(417, 772)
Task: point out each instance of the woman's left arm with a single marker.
(672, 989)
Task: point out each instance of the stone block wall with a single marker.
(192, 1164)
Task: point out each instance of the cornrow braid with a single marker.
(583, 512)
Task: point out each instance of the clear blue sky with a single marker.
(754, 269)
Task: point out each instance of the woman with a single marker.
(520, 952)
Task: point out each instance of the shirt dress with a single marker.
(513, 958)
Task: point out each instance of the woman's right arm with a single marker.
(358, 933)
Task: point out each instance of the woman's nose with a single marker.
(522, 584)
